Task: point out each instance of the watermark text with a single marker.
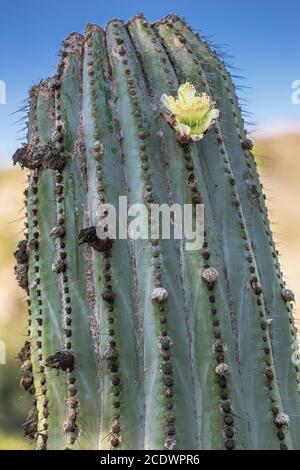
(156, 221)
(2, 353)
(2, 92)
(296, 92)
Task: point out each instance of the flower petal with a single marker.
(193, 113)
(183, 128)
(215, 113)
(168, 103)
(183, 132)
(186, 92)
(195, 138)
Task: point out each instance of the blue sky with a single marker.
(263, 36)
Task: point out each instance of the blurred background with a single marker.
(263, 38)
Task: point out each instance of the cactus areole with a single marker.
(140, 343)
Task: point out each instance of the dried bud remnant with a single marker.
(288, 295)
(40, 156)
(89, 235)
(61, 360)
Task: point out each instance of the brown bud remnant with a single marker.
(40, 156)
(57, 232)
(89, 235)
(21, 268)
(226, 406)
(108, 295)
(148, 196)
(229, 444)
(24, 354)
(111, 353)
(98, 147)
(31, 424)
(26, 382)
(115, 427)
(169, 119)
(115, 442)
(21, 273)
(258, 290)
(21, 254)
(269, 373)
(70, 425)
(58, 266)
(73, 402)
(167, 368)
(26, 366)
(265, 323)
(288, 295)
(247, 144)
(206, 254)
(61, 360)
(165, 343)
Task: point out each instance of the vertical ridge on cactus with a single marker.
(144, 344)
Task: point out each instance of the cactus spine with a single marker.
(142, 344)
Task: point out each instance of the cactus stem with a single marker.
(133, 342)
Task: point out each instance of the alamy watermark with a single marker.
(156, 221)
(296, 92)
(2, 92)
(2, 353)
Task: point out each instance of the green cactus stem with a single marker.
(144, 344)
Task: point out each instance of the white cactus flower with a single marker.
(193, 113)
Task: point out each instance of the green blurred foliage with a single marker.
(278, 159)
(14, 404)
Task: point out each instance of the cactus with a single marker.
(143, 344)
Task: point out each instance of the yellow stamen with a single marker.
(194, 111)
